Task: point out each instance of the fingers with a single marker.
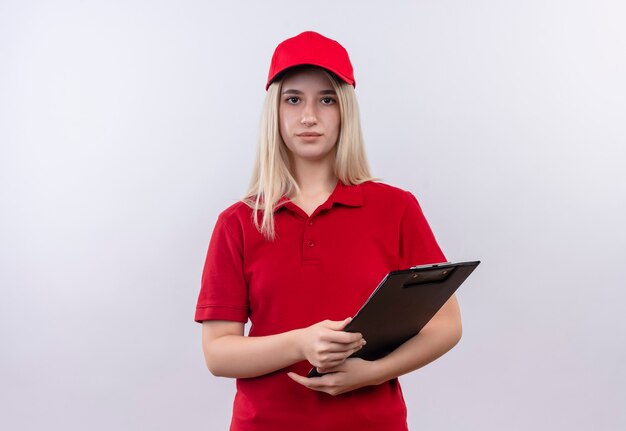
(350, 375)
(336, 334)
(315, 383)
(325, 383)
(335, 353)
(330, 368)
(326, 345)
(327, 363)
(341, 337)
(337, 325)
(304, 381)
(352, 347)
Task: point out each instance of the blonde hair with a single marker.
(272, 177)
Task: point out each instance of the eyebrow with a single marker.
(294, 91)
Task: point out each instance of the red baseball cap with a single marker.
(311, 48)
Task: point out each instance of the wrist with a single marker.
(296, 337)
(378, 374)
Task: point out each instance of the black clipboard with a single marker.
(402, 305)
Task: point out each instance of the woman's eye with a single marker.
(293, 100)
(328, 101)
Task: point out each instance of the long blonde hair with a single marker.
(272, 177)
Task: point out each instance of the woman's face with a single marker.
(309, 115)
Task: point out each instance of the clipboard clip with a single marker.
(431, 265)
(427, 274)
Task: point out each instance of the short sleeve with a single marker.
(418, 245)
(223, 291)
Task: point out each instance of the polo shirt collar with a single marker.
(351, 196)
(342, 194)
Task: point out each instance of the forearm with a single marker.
(440, 335)
(241, 356)
(228, 353)
(416, 353)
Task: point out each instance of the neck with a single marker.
(315, 177)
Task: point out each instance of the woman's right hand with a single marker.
(325, 344)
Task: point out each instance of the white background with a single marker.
(127, 126)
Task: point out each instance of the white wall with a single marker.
(126, 126)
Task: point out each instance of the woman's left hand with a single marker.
(352, 374)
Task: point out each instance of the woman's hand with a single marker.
(325, 345)
(352, 374)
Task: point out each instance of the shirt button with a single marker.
(311, 244)
(310, 222)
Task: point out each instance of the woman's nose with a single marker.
(308, 115)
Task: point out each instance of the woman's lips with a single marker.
(309, 134)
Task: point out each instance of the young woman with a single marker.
(301, 253)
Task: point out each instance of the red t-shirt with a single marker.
(319, 267)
